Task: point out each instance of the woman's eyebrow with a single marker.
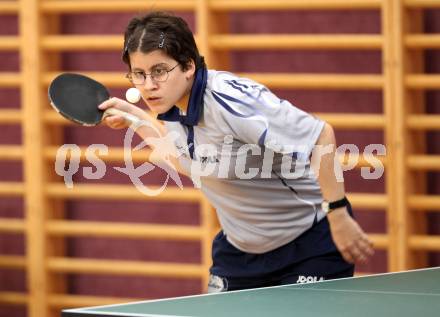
(157, 65)
(137, 69)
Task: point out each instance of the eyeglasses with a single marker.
(158, 74)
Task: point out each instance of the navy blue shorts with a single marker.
(311, 257)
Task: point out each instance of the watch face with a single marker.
(325, 206)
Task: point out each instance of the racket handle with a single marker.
(127, 116)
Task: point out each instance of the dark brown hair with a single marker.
(164, 31)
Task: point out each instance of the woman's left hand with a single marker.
(350, 239)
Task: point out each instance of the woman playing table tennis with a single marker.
(266, 166)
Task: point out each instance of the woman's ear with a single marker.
(191, 69)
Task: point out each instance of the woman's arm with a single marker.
(152, 131)
(349, 238)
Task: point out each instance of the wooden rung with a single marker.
(273, 80)
(424, 162)
(337, 120)
(9, 80)
(11, 225)
(82, 42)
(11, 152)
(14, 298)
(114, 154)
(109, 79)
(368, 201)
(317, 81)
(12, 261)
(52, 117)
(354, 120)
(424, 202)
(117, 267)
(374, 161)
(282, 41)
(11, 189)
(72, 301)
(117, 155)
(422, 41)
(9, 7)
(422, 81)
(229, 5)
(74, 6)
(419, 4)
(10, 116)
(423, 121)
(124, 230)
(121, 192)
(380, 241)
(9, 43)
(425, 243)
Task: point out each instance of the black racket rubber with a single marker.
(76, 97)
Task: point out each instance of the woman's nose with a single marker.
(149, 83)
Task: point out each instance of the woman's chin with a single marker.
(158, 108)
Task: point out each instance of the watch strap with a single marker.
(338, 203)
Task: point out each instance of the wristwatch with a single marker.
(328, 207)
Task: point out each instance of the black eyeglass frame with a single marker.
(130, 77)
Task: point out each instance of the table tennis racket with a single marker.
(76, 97)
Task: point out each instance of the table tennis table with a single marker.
(413, 293)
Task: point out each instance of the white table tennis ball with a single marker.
(133, 95)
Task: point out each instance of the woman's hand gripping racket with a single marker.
(77, 97)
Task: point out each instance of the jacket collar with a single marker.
(195, 104)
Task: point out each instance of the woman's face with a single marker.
(161, 96)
